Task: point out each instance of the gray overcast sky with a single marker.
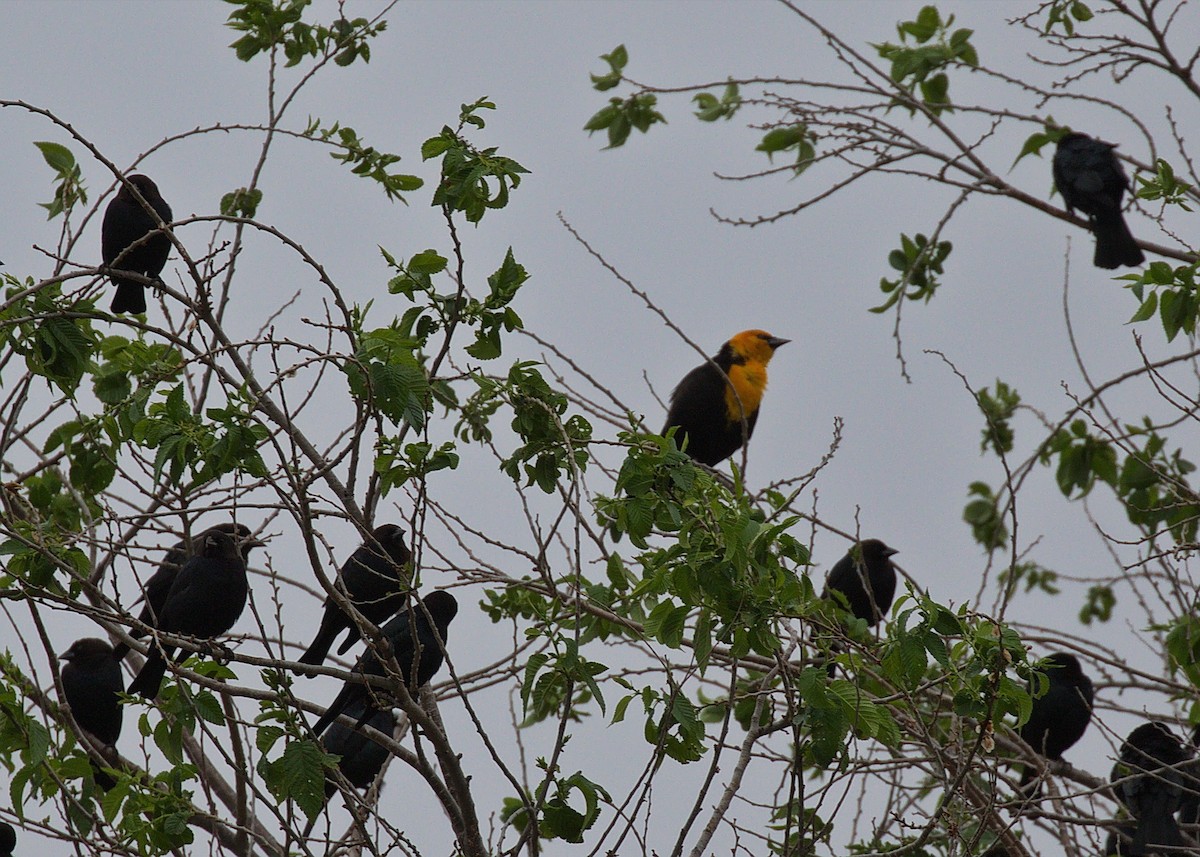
(127, 74)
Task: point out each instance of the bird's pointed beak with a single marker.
(775, 342)
(67, 655)
(891, 552)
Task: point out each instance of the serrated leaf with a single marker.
(57, 156)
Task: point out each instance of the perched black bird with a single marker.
(205, 599)
(1090, 178)
(126, 221)
(8, 839)
(866, 578)
(400, 632)
(154, 593)
(1060, 715)
(91, 680)
(704, 406)
(374, 580)
(1148, 780)
(362, 758)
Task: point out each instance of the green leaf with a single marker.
(58, 157)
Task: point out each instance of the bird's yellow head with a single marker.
(748, 354)
(755, 346)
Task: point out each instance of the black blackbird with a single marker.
(1061, 715)
(8, 839)
(1148, 780)
(866, 578)
(1090, 178)
(375, 581)
(362, 758)
(156, 588)
(205, 600)
(125, 222)
(704, 408)
(442, 607)
(91, 680)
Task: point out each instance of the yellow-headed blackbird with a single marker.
(1090, 178)
(1060, 716)
(126, 224)
(715, 407)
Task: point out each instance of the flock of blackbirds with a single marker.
(200, 588)
(713, 412)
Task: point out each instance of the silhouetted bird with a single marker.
(375, 581)
(866, 578)
(1090, 178)
(206, 598)
(1148, 781)
(126, 222)
(91, 680)
(713, 415)
(400, 632)
(362, 758)
(154, 593)
(8, 839)
(1061, 715)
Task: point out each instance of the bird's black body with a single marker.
(375, 581)
(400, 632)
(698, 409)
(91, 680)
(1091, 179)
(155, 590)
(1061, 715)
(8, 839)
(206, 598)
(702, 407)
(126, 221)
(1120, 840)
(866, 578)
(1148, 781)
(362, 758)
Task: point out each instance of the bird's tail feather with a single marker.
(1115, 244)
(149, 680)
(130, 297)
(319, 650)
(1156, 830)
